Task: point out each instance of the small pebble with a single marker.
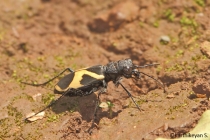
(165, 39)
(37, 97)
(169, 96)
(36, 117)
(205, 48)
(103, 105)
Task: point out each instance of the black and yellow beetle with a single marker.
(88, 80)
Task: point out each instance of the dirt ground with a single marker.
(40, 38)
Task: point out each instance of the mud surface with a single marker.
(40, 38)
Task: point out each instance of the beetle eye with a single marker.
(127, 70)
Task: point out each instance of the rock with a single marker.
(35, 117)
(201, 88)
(165, 39)
(169, 96)
(126, 11)
(103, 105)
(37, 97)
(205, 48)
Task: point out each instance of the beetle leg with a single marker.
(52, 103)
(102, 90)
(72, 90)
(97, 105)
(129, 94)
(104, 87)
(69, 69)
(117, 81)
(95, 111)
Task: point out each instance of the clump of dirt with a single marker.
(201, 88)
(115, 18)
(74, 128)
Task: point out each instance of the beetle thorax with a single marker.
(122, 68)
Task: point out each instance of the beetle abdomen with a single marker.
(81, 78)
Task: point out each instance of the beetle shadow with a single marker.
(84, 105)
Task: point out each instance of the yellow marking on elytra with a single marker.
(78, 77)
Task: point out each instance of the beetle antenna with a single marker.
(148, 65)
(162, 85)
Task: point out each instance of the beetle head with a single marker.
(126, 67)
(129, 70)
